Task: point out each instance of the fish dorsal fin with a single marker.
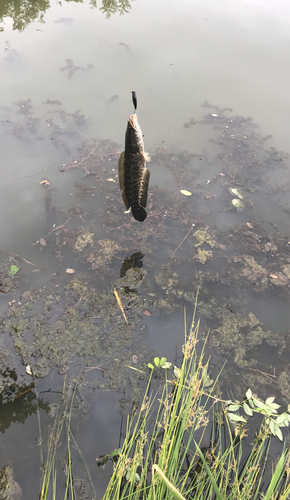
(146, 156)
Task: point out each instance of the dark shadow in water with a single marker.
(17, 402)
(135, 260)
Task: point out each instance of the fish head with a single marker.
(134, 136)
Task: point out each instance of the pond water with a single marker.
(200, 71)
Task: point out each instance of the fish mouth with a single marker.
(134, 121)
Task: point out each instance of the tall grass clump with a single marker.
(162, 455)
(58, 482)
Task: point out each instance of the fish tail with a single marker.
(139, 213)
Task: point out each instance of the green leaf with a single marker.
(209, 381)
(116, 452)
(249, 394)
(157, 361)
(280, 419)
(236, 418)
(150, 366)
(288, 408)
(13, 270)
(177, 371)
(275, 478)
(137, 477)
(259, 404)
(272, 427)
(279, 433)
(274, 405)
(269, 400)
(251, 403)
(165, 365)
(248, 410)
(162, 361)
(233, 407)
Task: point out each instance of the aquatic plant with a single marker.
(163, 455)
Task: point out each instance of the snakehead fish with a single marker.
(133, 174)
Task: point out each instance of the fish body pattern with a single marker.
(133, 173)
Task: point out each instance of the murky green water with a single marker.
(200, 71)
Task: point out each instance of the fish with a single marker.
(133, 173)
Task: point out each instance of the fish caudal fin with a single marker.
(139, 213)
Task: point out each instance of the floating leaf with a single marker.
(250, 225)
(69, 270)
(186, 193)
(147, 313)
(28, 370)
(13, 270)
(177, 371)
(111, 180)
(42, 242)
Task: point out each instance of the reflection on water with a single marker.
(63, 221)
(36, 11)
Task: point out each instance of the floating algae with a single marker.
(203, 236)
(203, 256)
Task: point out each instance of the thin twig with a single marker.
(56, 228)
(93, 368)
(181, 242)
(22, 258)
(85, 159)
(268, 375)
